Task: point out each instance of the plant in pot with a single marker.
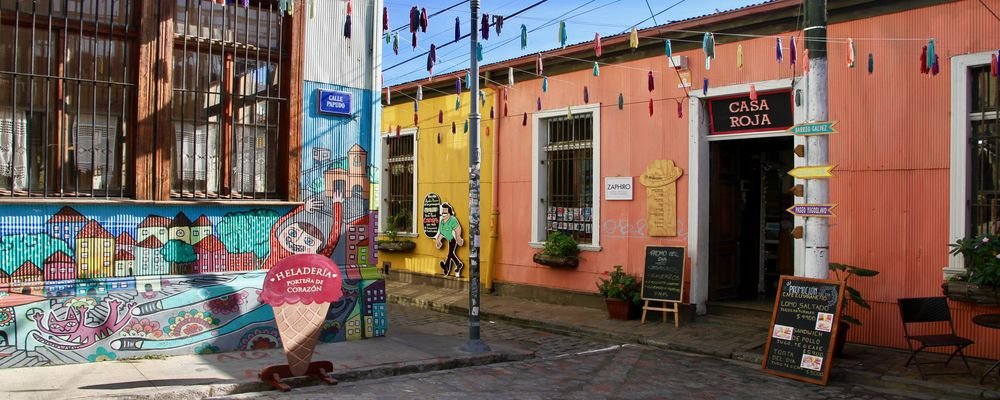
(560, 251)
(393, 243)
(843, 273)
(980, 283)
(622, 292)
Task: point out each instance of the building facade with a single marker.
(913, 153)
(121, 121)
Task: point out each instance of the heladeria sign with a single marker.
(772, 111)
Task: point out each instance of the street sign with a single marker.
(813, 172)
(814, 128)
(812, 210)
(333, 102)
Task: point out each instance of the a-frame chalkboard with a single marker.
(803, 327)
(663, 280)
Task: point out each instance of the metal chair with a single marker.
(930, 310)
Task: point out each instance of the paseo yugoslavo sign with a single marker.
(772, 111)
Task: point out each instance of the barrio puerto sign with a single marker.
(333, 102)
(772, 111)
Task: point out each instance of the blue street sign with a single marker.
(334, 102)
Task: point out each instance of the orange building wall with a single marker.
(892, 152)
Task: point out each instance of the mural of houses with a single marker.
(180, 228)
(357, 232)
(65, 224)
(124, 263)
(352, 181)
(61, 288)
(59, 266)
(27, 279)
(375, 313)
(353, 327)
(120, 284)
(363, 253)
(91, 287)
(95, 250)
(125, 242)
(201, 228)
(148, 259)
(153, 225)
(212, 256)
(372, 224)
(241, 262)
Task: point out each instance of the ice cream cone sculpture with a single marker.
(660, 180)
(300, 289)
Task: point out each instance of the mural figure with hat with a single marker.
(450, 230)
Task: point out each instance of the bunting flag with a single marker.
(935, 69)
(439, 138)
(539, 104)
(704, 87)
(931, 54)
(388, 37)
(491, 112)
(312, 7)
(347, 26)
(397, 130)
(871, 64)
(805, 60)
(485, 27)
(388, 95)
(416, 106)
(458, 29)
(925, 67)
(453, 127)
(621, 102)
(482, 97)
(415, 123)
(458, 86)
(395, 43)
(851, 53)
(414, 19)
(510, 79)
(708, 46)
(562, 34)
(778, 51)
(431, 60)
(468, 79)
(385, 18)
(479, 51)
(524, 120)
(680, 110)
(524, 37)
(458, 102)
(791, 52)
(420, 92)
(465, 127)
(569, 113)
(651, 87)
(498, 23)
(993, 64)
(545, 84)
(440, 116)
(538, 64)
(413, 40)
(423, 20)
(650, 106)
(668, 49)
(586, 95)
(348, 7)
(597, 44)
(597, 69)
(753, 92)
(505, 108)
(739, 56)
(633, 38)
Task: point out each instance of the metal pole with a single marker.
(817, 191)
(474, 344)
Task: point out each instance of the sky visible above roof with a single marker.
(583, 19)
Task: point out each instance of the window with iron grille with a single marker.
(566, 173)
(984, 152)
(227, 100)
(399, 181)
(67, 83)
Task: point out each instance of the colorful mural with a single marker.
(86, 283)
(450, 231)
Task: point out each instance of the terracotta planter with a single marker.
(617, 309)
(971, 293)
(396, 246)
(556, 261)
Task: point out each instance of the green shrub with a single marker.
(982, 258)
(559, 244)
(843, 272)
(620, 285)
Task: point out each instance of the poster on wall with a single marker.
(618, 188)
(660, 180)
(432, 202)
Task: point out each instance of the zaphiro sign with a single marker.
(770, 111)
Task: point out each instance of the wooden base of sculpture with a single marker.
(318, 369)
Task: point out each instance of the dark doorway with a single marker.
(750, 243)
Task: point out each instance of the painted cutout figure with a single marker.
(298, 233)
(450, 230)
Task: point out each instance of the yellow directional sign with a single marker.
(813, 172)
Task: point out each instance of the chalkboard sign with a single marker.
(663, 278)
(803, 326)
(432, 216)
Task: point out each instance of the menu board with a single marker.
(803, 326)
(663, 278)
(432, 216)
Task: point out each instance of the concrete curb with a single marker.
(895, 384)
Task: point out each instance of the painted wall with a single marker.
(98, 281)
(443, 168)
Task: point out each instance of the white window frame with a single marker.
(538, 191)
(961, 95)
(384, 183)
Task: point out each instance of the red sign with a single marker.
(771, 111)
(302, 278)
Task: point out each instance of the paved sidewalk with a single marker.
(740, 339)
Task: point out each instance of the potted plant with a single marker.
(843, 273)
(560, 251)
(622, 292)
(981, 280)
(393, 243)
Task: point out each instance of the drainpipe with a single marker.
(495, 214)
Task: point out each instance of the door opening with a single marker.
(750, 230)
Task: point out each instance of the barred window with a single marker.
(227, 100)
(984, 149)
(66, 97)
(399, 176)
(569, 160)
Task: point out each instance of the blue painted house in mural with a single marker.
(118, 242)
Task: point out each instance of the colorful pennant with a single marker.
(597, 44)
(633, 38)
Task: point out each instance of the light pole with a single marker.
(474, 344)
(817, 237)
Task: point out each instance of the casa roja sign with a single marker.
(771, 111)
(332, 102)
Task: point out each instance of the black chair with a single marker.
(931, 310)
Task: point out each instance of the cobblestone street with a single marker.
(572, 368)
